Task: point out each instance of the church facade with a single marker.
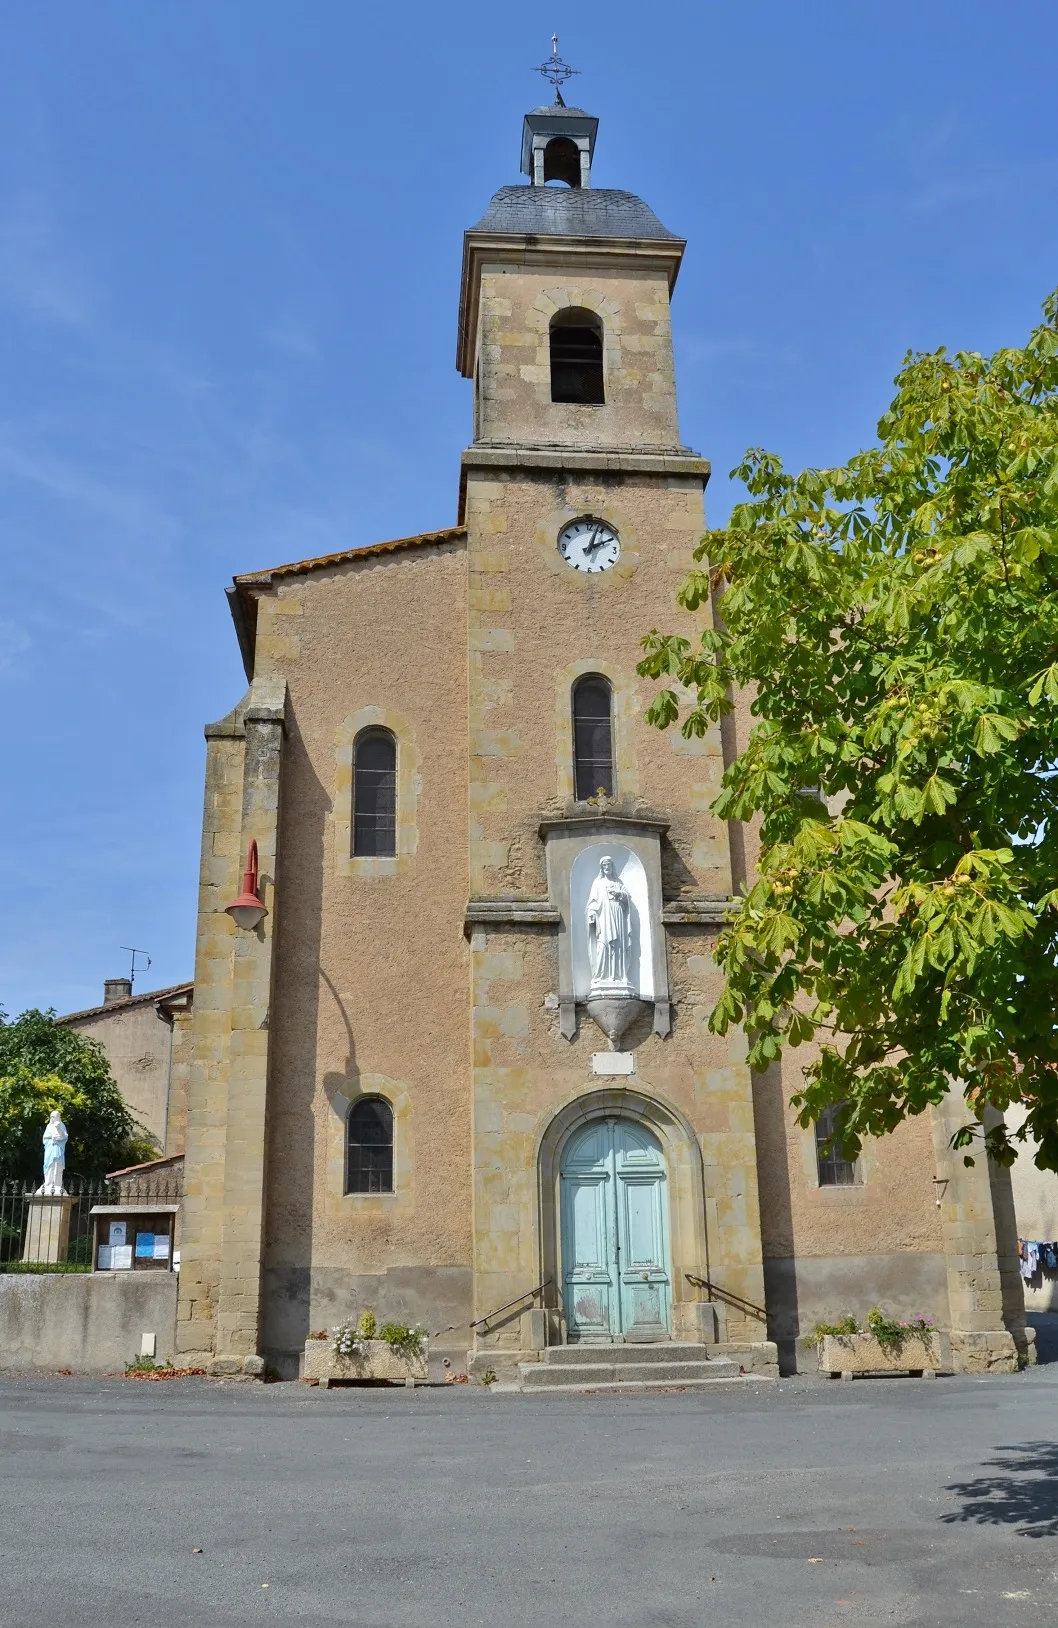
(460, 1072)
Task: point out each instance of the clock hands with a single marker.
(589, 544)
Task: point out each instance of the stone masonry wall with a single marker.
(371, 989)
(514, 360)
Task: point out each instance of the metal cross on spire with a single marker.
(557, 71)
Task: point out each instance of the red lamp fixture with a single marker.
(247, 910)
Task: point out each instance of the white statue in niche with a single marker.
(55, 1138)
(609, 931)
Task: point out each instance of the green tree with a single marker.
(44, 1066)
(896, 621)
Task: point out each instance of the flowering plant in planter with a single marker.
(349, 1338)
(890, 1334)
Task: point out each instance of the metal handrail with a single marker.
(530, 1294)
(738, 1301)
(480, 1321)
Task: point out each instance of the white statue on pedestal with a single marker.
(55, 1138)
(609, 931)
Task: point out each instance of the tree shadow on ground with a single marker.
(1023, 1491)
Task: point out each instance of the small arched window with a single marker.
(369, 1147)
(562, 161)
(576, 358)
(375, 793)
(592, 736)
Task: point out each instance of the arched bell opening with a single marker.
(562, 161)
(576, 345)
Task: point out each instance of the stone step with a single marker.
(635, 1386)
(542, 1376)
(573, 1356)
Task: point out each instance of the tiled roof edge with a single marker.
(323, 561)
(129, 1000)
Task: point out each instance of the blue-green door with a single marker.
(615, 1233)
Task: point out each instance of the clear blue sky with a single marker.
(230, 238)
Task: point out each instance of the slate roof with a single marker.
(571, 212)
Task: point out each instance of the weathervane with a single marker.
(556, 71)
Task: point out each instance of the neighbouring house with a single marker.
(146, 1038)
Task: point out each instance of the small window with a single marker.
(576, 358)
(375, 793)
(562, 161)
(833, 1170)
(593, 736)
(369, 1155)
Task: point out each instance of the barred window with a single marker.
(576, 358)
(593, 736)
(369, 1147)
(375, 793)
(833, 1170)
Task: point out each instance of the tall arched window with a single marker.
(593, 736)
(576, 357)
(375, 793)
(369, 1147)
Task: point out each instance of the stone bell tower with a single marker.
(582, 509)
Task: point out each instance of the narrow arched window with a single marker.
(375, 793)
(576, 358)
(562, 161)
(369, 1147)
(593, 736)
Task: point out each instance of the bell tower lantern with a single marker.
(558, 144)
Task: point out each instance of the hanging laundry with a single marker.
(1029, 1256)
(1050, 1257)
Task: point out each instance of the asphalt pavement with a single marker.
(210, 1505)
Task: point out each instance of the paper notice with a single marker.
(161, 1246)
(117, 1232)
(145, 1246)
(120, 1257)
(103, 1258)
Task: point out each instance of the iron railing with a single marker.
(26, 1231)
(736, 1301)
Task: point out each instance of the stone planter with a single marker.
(373, 1361)
(850, 1354)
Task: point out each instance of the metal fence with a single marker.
(30, 1231)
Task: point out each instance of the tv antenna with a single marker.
(132, 968)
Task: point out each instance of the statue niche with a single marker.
(604, 880)
(613, 924)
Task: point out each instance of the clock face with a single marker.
(589, 544)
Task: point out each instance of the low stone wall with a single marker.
(90, 1322)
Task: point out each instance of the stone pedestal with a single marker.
(47, 1228)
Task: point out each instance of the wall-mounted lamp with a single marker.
(247, 910)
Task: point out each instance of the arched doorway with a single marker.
(614, 1223)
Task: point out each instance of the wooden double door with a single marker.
(615, 1244)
